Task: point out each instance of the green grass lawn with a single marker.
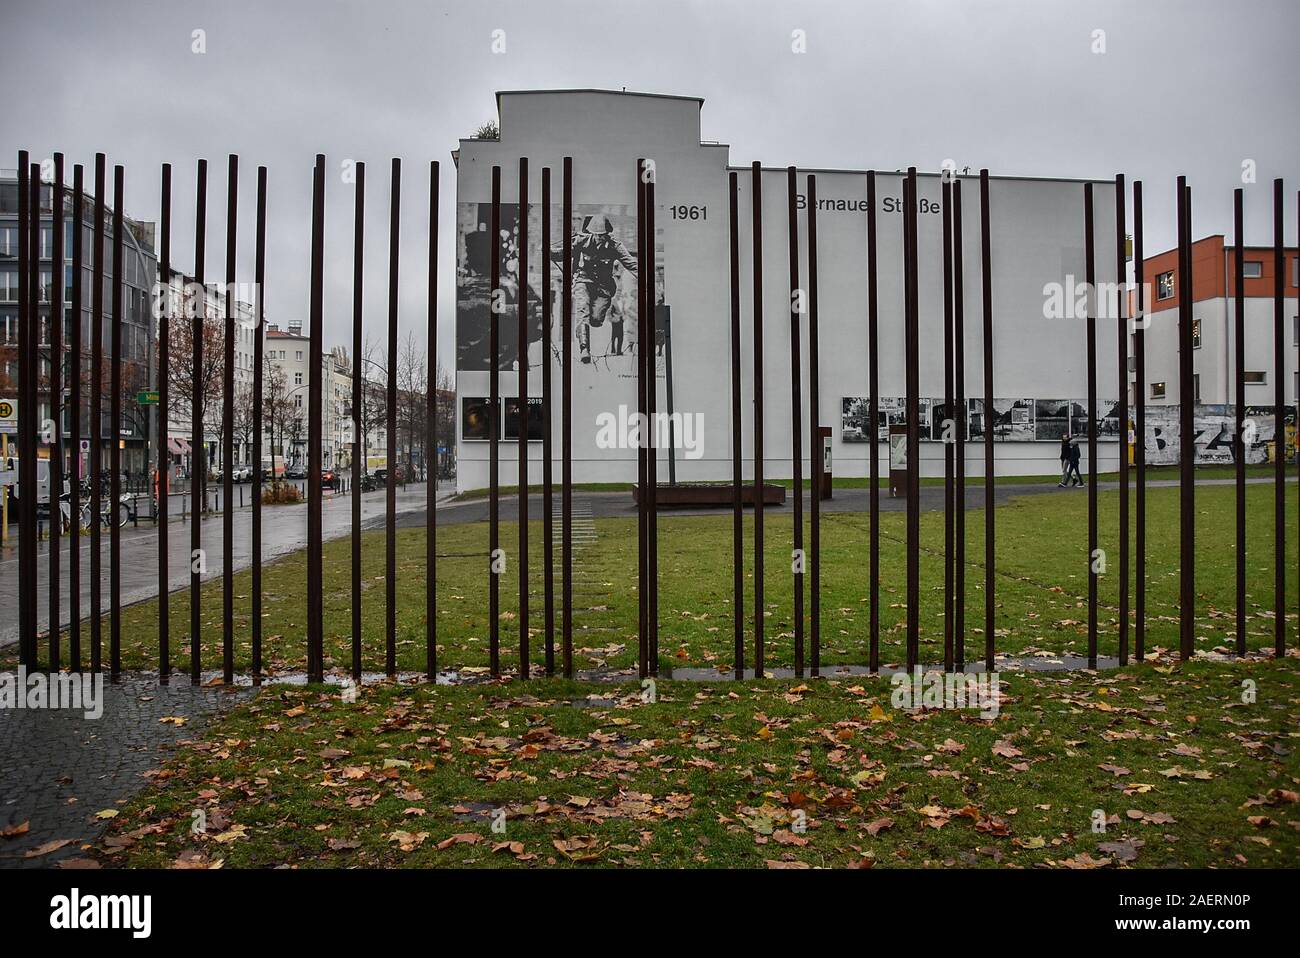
(1041, 589)
(757, 774)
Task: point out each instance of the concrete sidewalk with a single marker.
(284, 530)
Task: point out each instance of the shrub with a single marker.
(281, 494)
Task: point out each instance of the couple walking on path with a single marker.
(1070, 462)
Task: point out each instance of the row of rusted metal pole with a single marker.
(496, 565)
(29, 370)
(802, 301)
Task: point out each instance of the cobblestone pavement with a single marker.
(59, 769)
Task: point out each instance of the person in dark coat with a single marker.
(1074, 464)
(1065, 461)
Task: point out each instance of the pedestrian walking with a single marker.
(1073, 475)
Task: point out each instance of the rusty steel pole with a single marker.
(873, 405)
(548, 449)
(390, 487)
(56, 404)
(566, 425)
(315, 565)
(1139, 399)
(1239, 445)
(115, 447)
(1279, 430)
(198, 458)
(642, 469)
(228, 433)
(1121, 278)
(259, 352)
(76, 369)
(164, 304)
(521, 386)
(1187, 437)
(652, 451)
(756, 198)
(1090, 280)
(963, 423)
(797, 297)
(737, 502)
(28, 297)
(817, 463)
(947, 427)
(358, 399)
(494, 436)
(990, 539)
(430, 445)
(911, 322)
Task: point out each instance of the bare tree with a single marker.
(412, 382)
(184, 387)
(241, 427)
(445, 432)
(374, 399)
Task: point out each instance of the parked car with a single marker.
(327, 480)
(295, 472)
(368, 483)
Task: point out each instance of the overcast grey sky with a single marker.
(1183, 87)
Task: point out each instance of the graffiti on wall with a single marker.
(1216, 429)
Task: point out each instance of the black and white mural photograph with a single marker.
(685, 437)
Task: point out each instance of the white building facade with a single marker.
(289, 350)
(1037, 231)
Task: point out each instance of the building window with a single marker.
(1196, 334)
(1254, 377)
(1196, 387)
(1252, 269)
(298, 355)
(1157, 390)
(1165, 285)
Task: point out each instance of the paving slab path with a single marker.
(59, 769)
